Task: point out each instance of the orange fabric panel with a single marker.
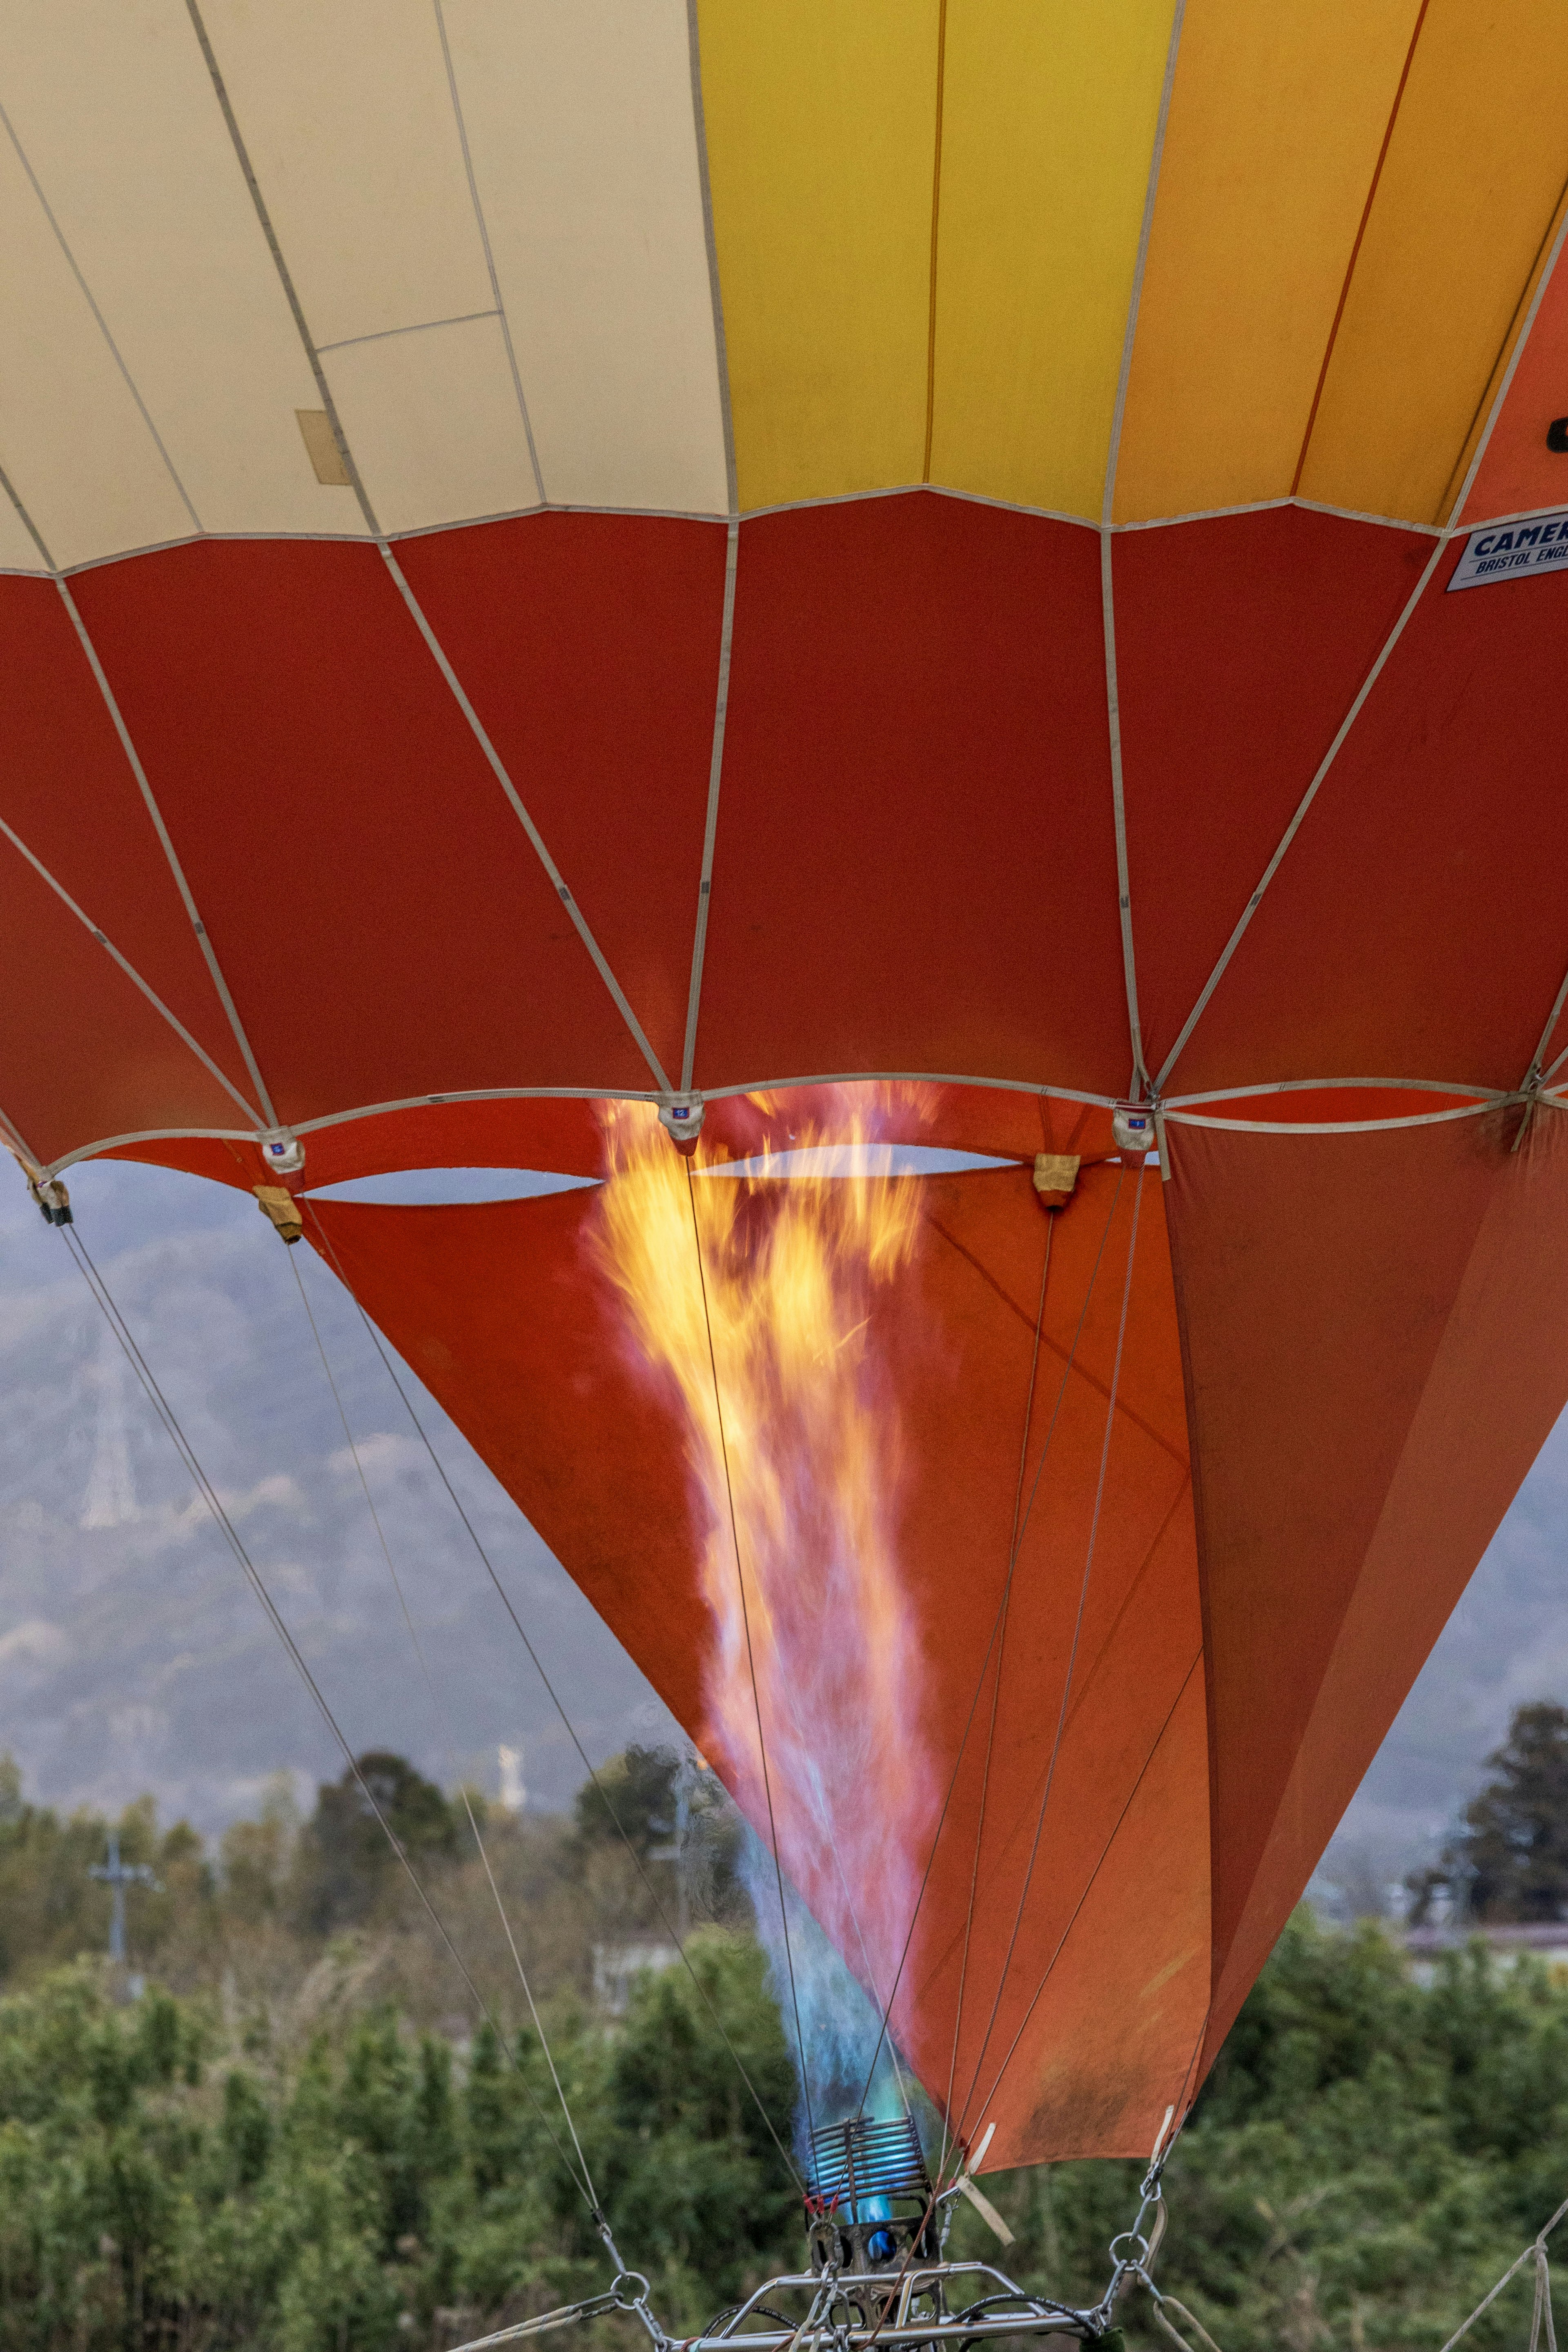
(1519, 471)
(1117, 2036)
(1453, 240)
(1372, 1325)
(1495, 1386)
(502, 1310)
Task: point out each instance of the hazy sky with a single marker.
(134, 1656)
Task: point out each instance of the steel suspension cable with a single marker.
(751, 1657)
(995, 1629)
(329, 1251)
(1072, 1652)
(444, 1725)
(1014, 1540)
(1178, 2104)
(166, 1414)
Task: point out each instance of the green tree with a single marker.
(343, 1863)
(1509, 1859)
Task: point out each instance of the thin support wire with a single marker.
(750, 1658)
(441, 1718)
(208, 1493)
(1014, 1540)
(1073, 1652)
(996, 1629)
(324, 1244)
(1536, 2249)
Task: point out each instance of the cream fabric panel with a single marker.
(581, 128)
(17, 553)
(433, 425)
(71, 439)
(344, 107)
(112, 103)
(347, 115)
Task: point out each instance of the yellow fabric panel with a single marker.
(1276, 118)
(821, 122)
(1473, 176)
(1048, 119)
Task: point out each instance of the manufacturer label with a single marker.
(1508, 550)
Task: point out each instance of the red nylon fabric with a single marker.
(1351, 1338)
(1071, 2039)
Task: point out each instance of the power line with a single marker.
(169, 1420)
(329, 1251)
(423, 1662)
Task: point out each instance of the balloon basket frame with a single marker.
(902, 2306)
(882, 2277)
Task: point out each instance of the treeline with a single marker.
(1364, 2161)
(288, 1910)
(300, 2138)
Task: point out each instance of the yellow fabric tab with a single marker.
(1277, 119)
(821, 122)
(1471, 184)
(1049, 117)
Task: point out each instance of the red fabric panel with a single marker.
(1417, 928)
(589, 645)
(1373, 1329)
(501, 1310)
(87, 1057)
(381, 917)
(1241, 642)
(68, 791)
(916, 864)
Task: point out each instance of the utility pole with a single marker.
(119, 1875)
(679, 1850)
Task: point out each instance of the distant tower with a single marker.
(111, 1497)
(120, 1876)
(679, 1831)
(513, 1795)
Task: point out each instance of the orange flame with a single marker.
(793, 1443)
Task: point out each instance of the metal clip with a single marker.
(54, 1201)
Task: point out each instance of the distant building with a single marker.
(513, 1795)
(1424, 1946)
(616, 1967)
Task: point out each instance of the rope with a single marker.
(324, 1242)
(1541, 2320)
(208, 1493)
(1164, 2303)
(1072, 1662)
(1535, 2250)
(750, 1659)
(442, 1720)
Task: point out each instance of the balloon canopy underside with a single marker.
(611, 548)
